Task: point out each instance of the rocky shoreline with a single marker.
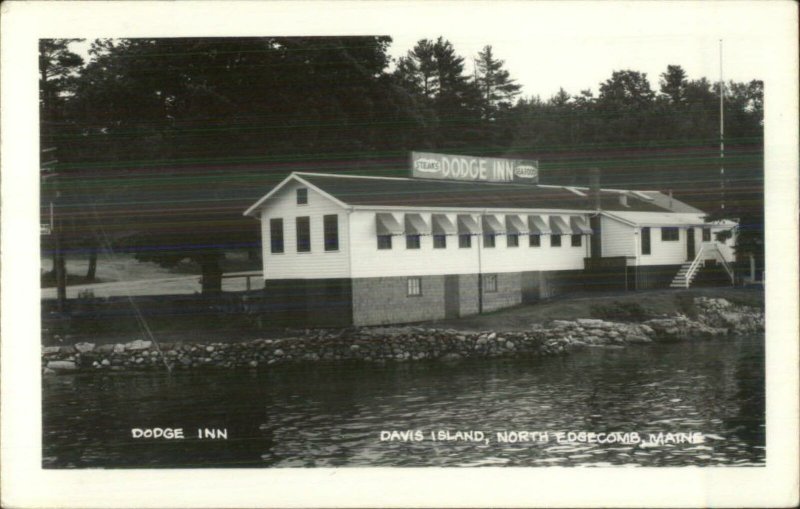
(714, 318)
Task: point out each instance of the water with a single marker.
(329, 415)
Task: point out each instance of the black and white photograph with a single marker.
(459, 244)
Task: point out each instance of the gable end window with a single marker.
(276, 235)
(303, 228)
(302, 196)
(670, 234)
(414, 286)
(331, 227)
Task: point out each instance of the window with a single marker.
(331, 227)
(490, 283)
(555, 240)
(512, 240)
(534, 240)
(577, 240)
(276, 235)
(465, 240)
(488, 239)
(384, 242)
(706, 234)
(669, 234)
(303, 234)
(440, 241)
(302, 196)
(412, 241)
(646, 240)
(414, 286)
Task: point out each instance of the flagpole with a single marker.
(721, 132)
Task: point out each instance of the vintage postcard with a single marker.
(458, 254)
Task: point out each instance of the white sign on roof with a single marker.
(429, 165)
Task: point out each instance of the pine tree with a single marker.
(497, 88)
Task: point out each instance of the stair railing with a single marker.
(721, 258)
(698, 262)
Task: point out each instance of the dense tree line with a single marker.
(162, 143)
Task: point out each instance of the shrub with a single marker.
(620, 311)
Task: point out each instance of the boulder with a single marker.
(62, 365)
(139, 344)
(51, 350)
(84, 347)
(590, 323)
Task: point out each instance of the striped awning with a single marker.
(537, 225)
(415, 225)
(468, 225)
(579, 225)
(558, 226)
(514, 224)
(386, 224)
(491, 224)
(442, 225)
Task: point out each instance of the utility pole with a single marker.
(721, 132)
(54, 228)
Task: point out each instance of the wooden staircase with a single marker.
(685, 276)
(688, 271)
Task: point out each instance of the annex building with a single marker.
(360, 250)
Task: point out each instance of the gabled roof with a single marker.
(349, 190)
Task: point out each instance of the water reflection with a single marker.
(332, 415)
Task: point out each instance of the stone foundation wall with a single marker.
(716, 318)
(385, 300)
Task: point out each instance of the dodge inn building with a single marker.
(359, 250)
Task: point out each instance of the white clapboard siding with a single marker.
(666, 252)
(618, 239)
(369, 261)
(312, 265)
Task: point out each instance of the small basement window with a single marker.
(512, 240)
(414, 286)
(302, 196)
(534, 240)
(384, 242)
(440, 241)
(412, 241)
(670, 234)
(577, 240)
(555, 240)
(465, 240)
(490, 283)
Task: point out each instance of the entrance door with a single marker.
(690, 244)
(451, 297)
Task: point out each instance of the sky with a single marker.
(548, 45)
